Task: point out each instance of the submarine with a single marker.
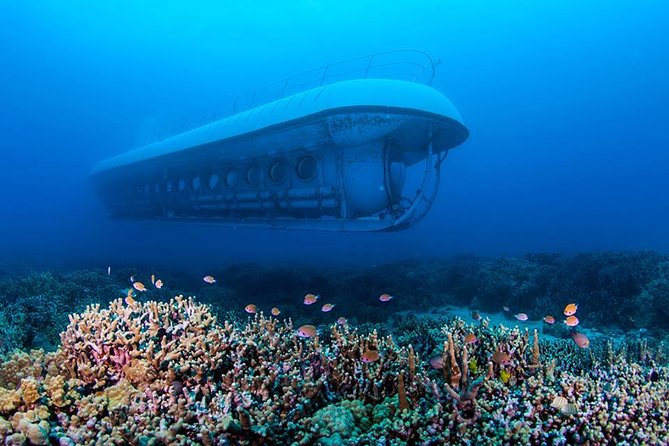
(333, 156)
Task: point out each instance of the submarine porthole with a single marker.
(252, 175)
(196, 183)
(278, 170)
(213, 181)
(306, 168)
(182, 184)
(232, 178)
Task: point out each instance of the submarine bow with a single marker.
(334, 157)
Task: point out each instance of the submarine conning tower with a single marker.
(331, 157)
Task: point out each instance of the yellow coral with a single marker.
(9, 400)
(138, 371)
(29, 391)
(119, 395)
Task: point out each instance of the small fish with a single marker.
(108, 270)
(569, 409)
(505, 308)
(132, 278)
(139, 286)
(370, 356)
(153, 279)
(437, 362)
(327, 307)
(470, 338)
(158, 284)
(559, 402)
(129, 297)
(549, 319)
(251, 309)
(476, 315)
(521, 316)
(341, 321)
(570, 309)
(209, 279)
(306, 331)
(580, 339)
(571, 321)
(501, 358)
(276, 311)
(385, 297)
(310, 299)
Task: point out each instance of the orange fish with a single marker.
(385, 297)
(129, 297)
(549, 319)
(209, 279)
(153, 279)
(139, 286)
(310, 299)
(437, 362)
(251, 308)
(159, 284)
(306, 331)
(470, 338)
(370, 356)
(341, 320)
(327, 307)
(571, 321)
(501, 358)
(476, 315)
(276, 311)
(570, 309)
(581, 340)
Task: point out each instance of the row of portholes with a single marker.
(306, 169)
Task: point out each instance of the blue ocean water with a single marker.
(565, 101)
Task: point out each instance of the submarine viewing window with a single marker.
(252, 175)
(213, 181)
(278, 170)
(306, 168)
(232, 178)
(196, 183)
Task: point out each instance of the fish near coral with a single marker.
(470, 338)
(251, 309)
(385, 297)
(559, 402)
(307, 331)
(437, 362)
(341, 320)
(476, 315)
(370, 356)
(581, 340)
(158, 284)
(504, 376)
(139, 286)
(209, 279)
(310, 299)
(327, 308)
(500, 358)
(276, 311)
(571, 321)
(570, 309)
(549, 319)
(521, 316)
(473, 365)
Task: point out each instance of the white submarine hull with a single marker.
(330, 158)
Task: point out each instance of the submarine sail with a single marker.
(331, 157)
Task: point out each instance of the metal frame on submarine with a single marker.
(332, 156)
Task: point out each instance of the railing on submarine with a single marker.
(404, 64)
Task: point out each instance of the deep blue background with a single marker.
(566, 102)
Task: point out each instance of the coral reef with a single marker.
(158, 373)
